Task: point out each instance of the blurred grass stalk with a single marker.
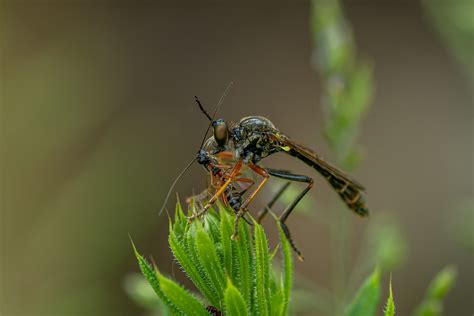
(348, 90)
(455, 24)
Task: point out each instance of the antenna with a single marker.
(174, 184)
(202, 108)
(211, 119)
(224, 94)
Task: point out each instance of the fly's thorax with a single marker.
(256, 123)
(253, 138)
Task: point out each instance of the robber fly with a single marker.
(213, 157)
(218, 158)
(254, 138)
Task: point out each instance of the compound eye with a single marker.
(221, 133)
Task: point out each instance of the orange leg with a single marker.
(243, 208)
(221, 190)
(265, 176)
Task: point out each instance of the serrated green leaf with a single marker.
(278, 303)
(185, 302)
(196, 259)
(152, 279)
(212, 226)
(140, 291)
(209, 260)
(262, 293)
(226, 232)
(273, 286)
(179, 216)
(367, 298)
(242, 250)
(182, 254)
(390, 305)
(234, 302)
(287, 276)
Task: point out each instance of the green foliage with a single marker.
(262, 277)
(455, 24)
(234, 276)
(437, 290)
(142, 294)
(348, 82)
(388, 247)
(460, 220)
(288, 272)
(367, 298)
(390, 305)
(177, 299)
(234, 302)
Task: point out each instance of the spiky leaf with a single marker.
(390, 305)
(234, 302)
(287, 280)
(207, 252)
(261, 271)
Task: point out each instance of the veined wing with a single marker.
(348, 189)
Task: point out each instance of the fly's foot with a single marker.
(199, 214)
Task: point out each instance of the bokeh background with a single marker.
(97, 118)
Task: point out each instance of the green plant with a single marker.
(347, 92)
(367, 299)
(236, 277)
(437, 290)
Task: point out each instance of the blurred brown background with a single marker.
(98, 117)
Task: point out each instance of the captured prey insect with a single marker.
(218, 165)
(215, 165)
(254, 138)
